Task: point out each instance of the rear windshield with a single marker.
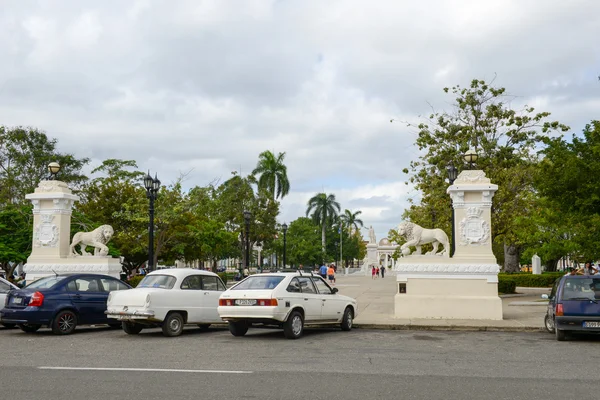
(158, 281)
(45, 283)
(582, 289)
(258, 283)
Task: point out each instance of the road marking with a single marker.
(196, 371)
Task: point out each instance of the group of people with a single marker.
(375, 271)
(588, 269)
(19, 280)
(328, 272)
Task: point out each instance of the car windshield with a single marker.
(257, 282)
(158, 281)
(582, 289)
(46, 282)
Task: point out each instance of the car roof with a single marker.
(284, 274)
(182, 272)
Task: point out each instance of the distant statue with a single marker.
(98, 238)
(372, 238)
(417, 236)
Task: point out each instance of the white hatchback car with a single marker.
(285, 300)
(169, 298)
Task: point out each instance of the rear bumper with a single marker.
(576, 323)
(251, 313)
(130, 315)
(27, 315)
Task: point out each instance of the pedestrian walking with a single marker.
(377, 272)
(331, 275)
(323, 271)
(373, 272)
(383, 272)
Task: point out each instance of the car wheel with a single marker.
(131, 328)
(294, 326)
(238, 328)
(560, 335)
(549, 323)
(9, 326)
(173, 325)
(29, 328)
(347, 319)
(203, 327)
(64, 323)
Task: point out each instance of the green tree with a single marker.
(273, 174)
(304, 242)
(506, 141)
(351, 220)
(16, 228)
(324, 210)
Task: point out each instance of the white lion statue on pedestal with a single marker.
(417, 236)
(96, 238)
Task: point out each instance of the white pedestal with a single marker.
(432, 287)
(36, 269)
(371, 257)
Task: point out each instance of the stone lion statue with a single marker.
(96, 238)
(417, 236)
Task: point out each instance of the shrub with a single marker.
(506, 285)
(528, 280)
(135, 280)
(223, 276)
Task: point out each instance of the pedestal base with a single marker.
(37, 268)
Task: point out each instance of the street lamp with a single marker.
(247, 216)
(471, 156)
(284, 228)
(53, 168)
(452, 175)
(152, 185)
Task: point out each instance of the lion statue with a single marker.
(417, 236)
(96, 238)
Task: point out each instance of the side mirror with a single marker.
(334, 290)
(545, 296)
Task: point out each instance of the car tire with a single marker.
(238, 328)
(549, 323)
(29, 328)
(561, 335)
(64, 323)
(9, 326)
(172, 325)
(203, 327)
(131, 328)
(347, 319)
(294, 325)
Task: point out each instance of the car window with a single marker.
(554, 288)
(158, 281)
(306, 285)
(258, 282)
(87, 284)
(322, 287)
(582, 289)
(192, 282)
(46, 282)
(221, 285)
(210, 283)
(294, 286)
(4, 287)
(110, 285)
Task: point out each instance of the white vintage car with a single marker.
(285, 300)
(169, 298)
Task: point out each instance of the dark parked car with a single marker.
(574, 305)
(61, 302)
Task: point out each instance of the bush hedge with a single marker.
(506, 286)
(224, 276)
(529, 280)
(135, 280)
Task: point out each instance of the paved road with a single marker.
(325, 364)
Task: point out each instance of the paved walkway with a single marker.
(523, 312)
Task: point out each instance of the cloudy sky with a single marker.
(206, 85)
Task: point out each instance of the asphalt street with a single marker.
(101, 363)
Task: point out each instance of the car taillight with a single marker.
(267, 302)
(37, 299)
(225, 302)
(559, 310)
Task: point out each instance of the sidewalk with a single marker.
(523, 312)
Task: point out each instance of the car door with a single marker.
(110, 285)
(311, 300)
(212, 288)
(191, 298)
(331, 305)
(89, 299)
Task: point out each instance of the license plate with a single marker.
(243, 302)
(16, 300)
(591, 324)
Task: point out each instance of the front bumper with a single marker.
(27, 315)
(576, 323)
(129, 315)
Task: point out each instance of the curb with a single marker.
(459, 328)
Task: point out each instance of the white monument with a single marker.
(51, 253)
(371, 258)
(536, 265)
(465, 286)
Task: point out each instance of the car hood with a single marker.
(131, 297)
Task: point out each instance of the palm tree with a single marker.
(351, 219)
(325, 209)
(273, 174)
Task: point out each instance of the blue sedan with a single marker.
(60, 302)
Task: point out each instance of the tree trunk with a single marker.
(512, 257)
(551, 265)
(323, 238)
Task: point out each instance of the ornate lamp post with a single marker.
(53, 168)
(247, 216)
(152, 185)
(471, 156)
(284, 227)
(452, 174)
